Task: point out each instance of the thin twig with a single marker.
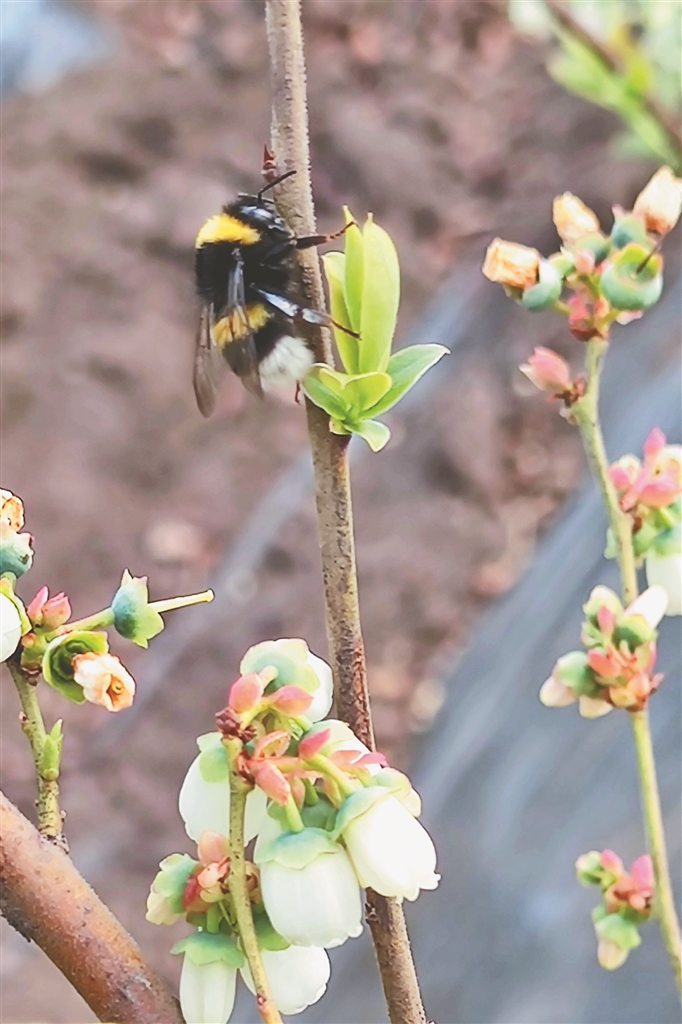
(332, 483)
(667, 120)
(48, 902)
(49, 814)
(239, 891)
(586, 412)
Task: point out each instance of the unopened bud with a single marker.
(572, 219)
(246, 692)
(511, 264)
(610, 956)
(611, 862)
(312, 743)
(555, 694)
(548, 371)
(659, 204)
(49, 612)
(291, 700)
(271, 780)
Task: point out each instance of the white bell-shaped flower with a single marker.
(10, 628)
(207, 991)
(204, 800)
(309, 888)
(298, 976)
(666, 571)
(324, 696)
(391, 852)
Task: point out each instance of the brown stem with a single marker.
(667, 120)
(49, 814)
(48, 902)
(332, 481)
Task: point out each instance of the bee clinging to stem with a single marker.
(244, 275)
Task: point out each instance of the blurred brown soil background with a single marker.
(441, 121)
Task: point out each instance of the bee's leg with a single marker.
(297, 396)
(310, 241)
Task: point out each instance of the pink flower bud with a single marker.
(655, 442)
(50, 613)
(603, 663)
(245, 693)
(34, 609)
(273, 783)
(585, 261)
(291, 700)
(660, 491)
(606, 620)
(611, 862)
(312, 743)
(642, 872)
(624, 472)
(548, 371)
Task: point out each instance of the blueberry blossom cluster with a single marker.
(650, 493)
(626, 902)
(616, 668)
(329, 818)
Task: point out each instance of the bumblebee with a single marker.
(244, 270)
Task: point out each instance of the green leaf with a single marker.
(405, 368)
(380, 298)
(316, 385)
(134, 619)
(207, 948)
(57, 661)
(362, 391)
(334, 264)
(374, 433)
(353, 270)
(51, 753)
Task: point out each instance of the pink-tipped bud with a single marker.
(213, 847)
(548, 371)
(660, 491)
(606, 620)
(56, 611)
(34, 609)
(655, 442)
(291, 700)
(585, 261)
(273, 783)
(611, 862)
(624, 472)
(602, 664)
(642, 873)
(246, 693)
(312, 743)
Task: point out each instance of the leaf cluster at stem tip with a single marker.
(364, 293)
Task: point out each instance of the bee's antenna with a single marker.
(271, 184)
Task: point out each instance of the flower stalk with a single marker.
(290, 146)
(33, 726)
(586, 414)
(239, 890)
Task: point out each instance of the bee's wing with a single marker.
(241, 351)
(208, 365)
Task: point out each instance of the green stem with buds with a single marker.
(33, 726)
(586, 413)
(239, 892)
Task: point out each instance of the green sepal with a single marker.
(334, 264)
(267, 937)
(599, 245)
(288, 660)
(16, 552)
(134, 618)
(625, 285)
(645, 537)
(667, 542)
(616, 929)
(380, 297)
(589, 870)
(60, 652)
(7, 588)
(321, 815)
(562, 262)
(209, 948)
(50, 755)
(405, 368)
(353, 269)
(171, 880)
(213, 764)
(546, 292)
(628, 228)
(356, 805)
(297, 850)
(573, 671)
